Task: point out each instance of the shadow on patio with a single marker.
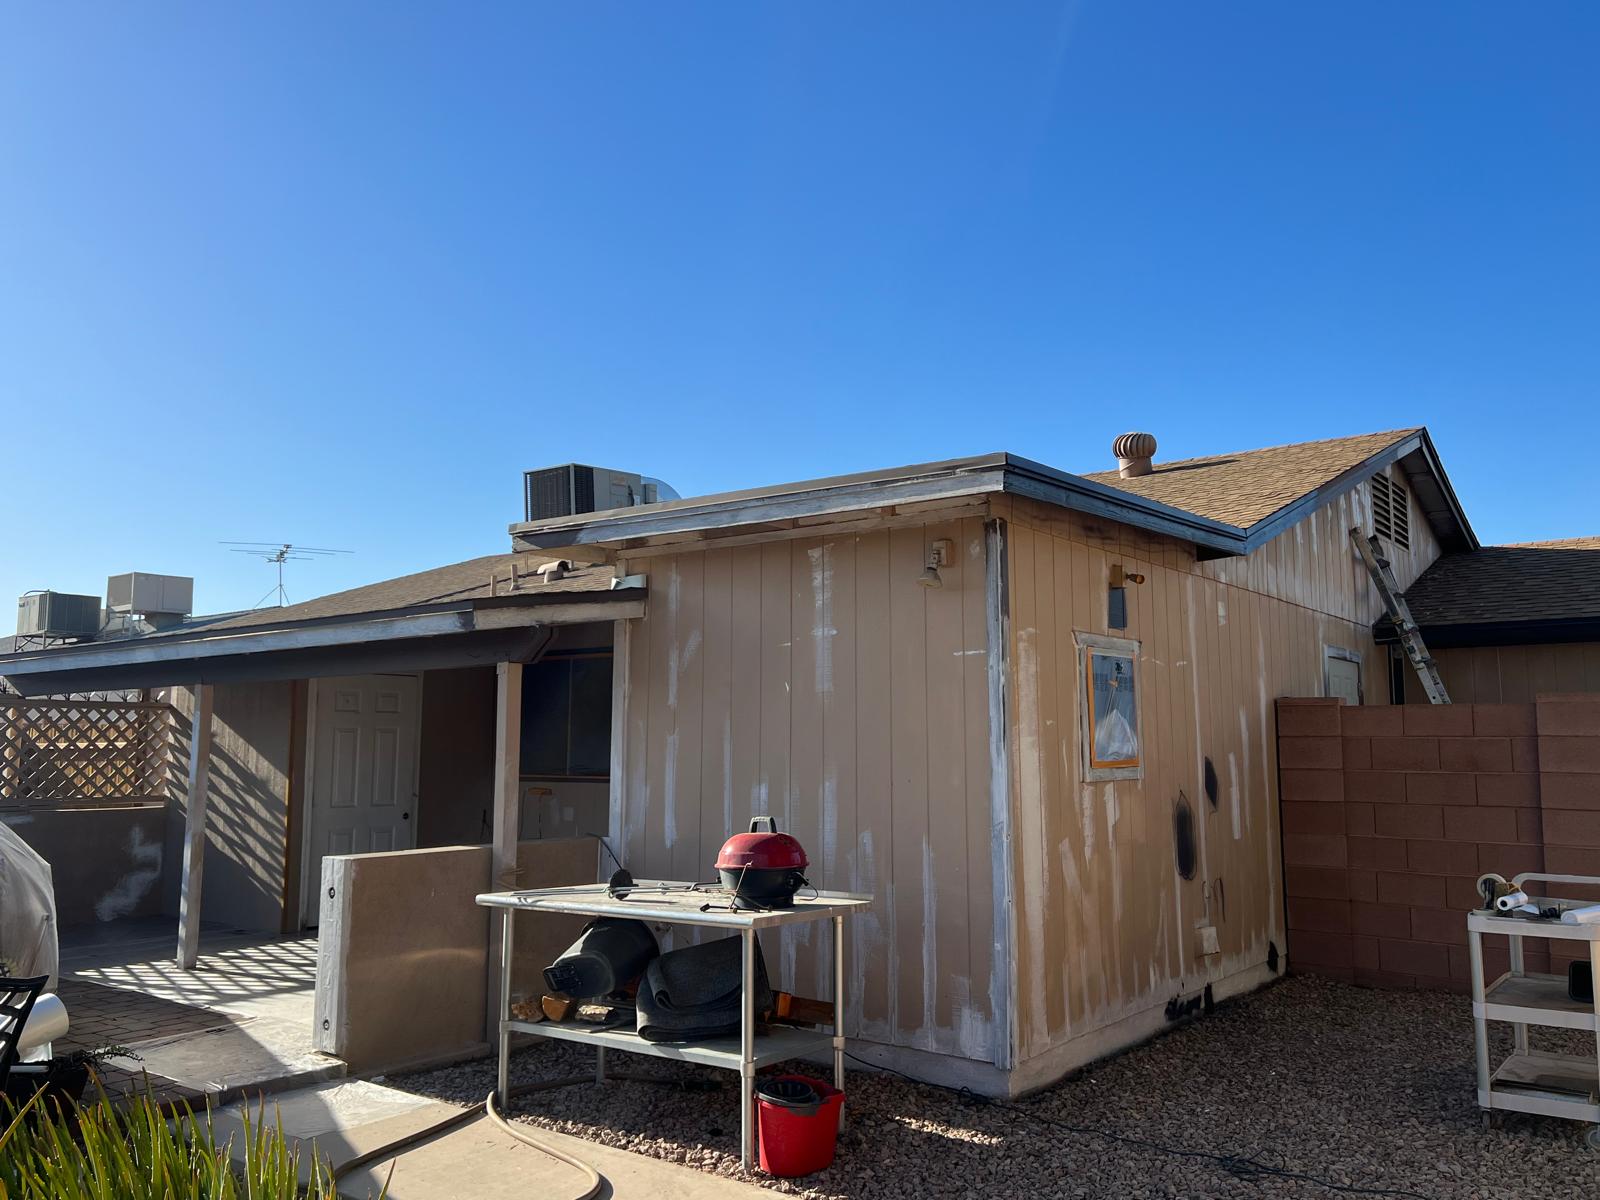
(240, 1022)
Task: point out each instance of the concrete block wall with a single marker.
(1390, 813)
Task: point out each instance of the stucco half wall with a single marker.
(403, 952)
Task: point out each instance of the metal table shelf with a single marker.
(1533, 1081)
(775, 1045)
(672, 903)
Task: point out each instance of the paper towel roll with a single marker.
(47, 1022)
(1511, 900)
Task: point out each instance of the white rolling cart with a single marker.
(664, 903)
(1534, 1081)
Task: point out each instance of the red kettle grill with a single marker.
(763, 869)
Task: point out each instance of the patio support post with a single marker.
(507, 818)
(194, 837)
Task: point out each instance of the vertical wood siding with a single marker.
(1513, 674)
(817, 681)
(1106, 927)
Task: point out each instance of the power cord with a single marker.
(1250, 1170)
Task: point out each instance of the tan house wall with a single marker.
(1106, 929)
(1513, 674)
(815, 679)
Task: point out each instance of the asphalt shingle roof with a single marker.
(462, 581)
(1535, 581)
(1248, 487)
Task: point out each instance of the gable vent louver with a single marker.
(1391, 514)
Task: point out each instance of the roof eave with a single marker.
(1538, 631)
(1024, 477)
(1446, 517)
(931, 482)
(480, 616)
(612, 528)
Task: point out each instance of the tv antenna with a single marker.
(279, 553)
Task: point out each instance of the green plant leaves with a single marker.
(132, 1150)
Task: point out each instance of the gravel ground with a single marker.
(1367, 1089)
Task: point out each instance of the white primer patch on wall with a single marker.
(136, 884)
(1233, 792)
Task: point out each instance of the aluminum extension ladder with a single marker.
(1394, 603)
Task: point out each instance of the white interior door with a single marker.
(1343, 675)
(363, 772)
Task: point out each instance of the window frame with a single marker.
(568, 658)
(1088, 645)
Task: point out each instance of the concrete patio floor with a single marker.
(241, 1021)
(347, 1118)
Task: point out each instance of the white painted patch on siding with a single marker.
(867, 941)
(1113, 814)
(973, 1029)
(124, 897)
(1074, 970)
(669, 793)
(822, 628)
(1085, 802)
(1222, 612)
(1233, 793)
(1244, 741)
(1267, 764)
(1030, 808)
(674, 590)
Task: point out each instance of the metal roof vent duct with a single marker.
(1134, 452)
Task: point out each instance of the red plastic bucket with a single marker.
(798, 1125)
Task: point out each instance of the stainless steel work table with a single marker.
(667, 903)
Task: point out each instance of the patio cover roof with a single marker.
(484, 610)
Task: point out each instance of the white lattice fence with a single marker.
(67, 753)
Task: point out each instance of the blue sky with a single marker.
(336, 274)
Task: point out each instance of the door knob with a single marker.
(405, 816)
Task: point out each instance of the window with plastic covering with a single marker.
(1112, 744)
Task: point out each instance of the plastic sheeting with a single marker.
(28, 942)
